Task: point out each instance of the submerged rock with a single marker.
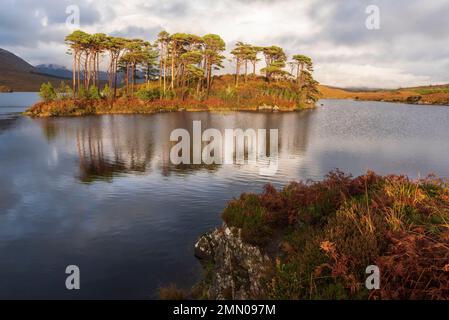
(237, 270)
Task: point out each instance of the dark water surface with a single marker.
(100, 192)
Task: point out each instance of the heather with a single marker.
(321, 236)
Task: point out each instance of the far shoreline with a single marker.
(425, 95)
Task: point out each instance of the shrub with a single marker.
(106, 92)
(228, 94)
(94, 93)
(148, 94)
(47, 92)
(64, 91)
(328, 232)
(83, 93)
(416, 266)
(248, 214)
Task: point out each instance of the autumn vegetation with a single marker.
(426, 95)
(5, 89)
(176, 72)
(328, 232)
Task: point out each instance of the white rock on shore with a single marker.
(239, 269)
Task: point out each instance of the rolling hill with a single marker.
(425, 95)
(18, 75)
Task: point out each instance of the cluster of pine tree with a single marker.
(182, 64)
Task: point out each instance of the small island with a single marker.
(176, 73)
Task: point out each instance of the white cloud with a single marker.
(356, 75)
(410, 48)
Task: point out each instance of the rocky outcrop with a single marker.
(414, 99)
(237, 270)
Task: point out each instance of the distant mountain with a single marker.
(54, 70)
(18, 75)
(61, 71)
(11, 62)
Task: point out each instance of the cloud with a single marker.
(357, 75)
(408, 49)
(27, 22)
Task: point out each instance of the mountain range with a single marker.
(62, 72)
(18, 75)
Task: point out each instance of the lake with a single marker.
(18, 99)
(101, 193)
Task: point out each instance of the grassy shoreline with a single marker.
(133, 106)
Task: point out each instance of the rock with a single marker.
(413, 99)
(268, 108)
(204, 247)
(265, 107)
(238, 269)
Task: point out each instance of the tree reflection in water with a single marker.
(115, 145)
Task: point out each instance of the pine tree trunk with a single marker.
(111, 71)
(165, 74)
(79, 71)
(85, 71)
(127, 79)
(160, 66)
(237, 73)
(74, 75)
(297, 75)
(172, 85)
(115, 77)
(98, 70)
(133, 68)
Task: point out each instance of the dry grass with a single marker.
(333, 229)
(172, 292)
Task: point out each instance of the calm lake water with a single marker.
(18, 99)
(101, 193)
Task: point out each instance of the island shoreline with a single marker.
(148, 109)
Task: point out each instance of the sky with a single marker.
(407, 45)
